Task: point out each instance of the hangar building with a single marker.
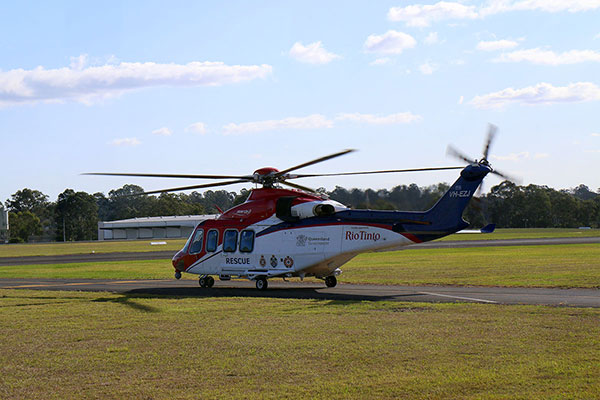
(150, 227)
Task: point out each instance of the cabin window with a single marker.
(196, 246)
(230, 240)
(247, 241)
(212, 239)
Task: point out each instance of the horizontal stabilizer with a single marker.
(489, 228)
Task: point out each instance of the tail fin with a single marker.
(446, 214)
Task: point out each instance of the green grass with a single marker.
(536, 233)
(143, 269)
(51, 249)
(60, 345)
(538, 266)
(48, 249)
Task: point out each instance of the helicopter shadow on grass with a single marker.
(275, 293)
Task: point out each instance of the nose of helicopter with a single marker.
(178, 262)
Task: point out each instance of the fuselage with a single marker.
(280, 232)
(276, 233)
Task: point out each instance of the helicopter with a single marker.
(297, 232)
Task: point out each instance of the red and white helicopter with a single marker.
(282, 233)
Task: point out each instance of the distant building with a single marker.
(3, 224)
(150, 227)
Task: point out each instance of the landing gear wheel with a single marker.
(330, 281)
(210, 281)
(177, 274)
(202, 282)
(261, 283)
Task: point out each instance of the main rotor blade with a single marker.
(455, 153)
(388, 171)
(247, 177)
(194, 187)
(306, 189)
(490, 137)
(318, 160)
(507, 177)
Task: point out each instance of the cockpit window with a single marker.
(212, 240)
(230, 240)
(196, 246)
(247, 241)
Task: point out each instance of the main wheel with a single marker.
(210, 281)
(261, 283)
(330, 281)
(202, 282)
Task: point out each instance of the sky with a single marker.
(229, 87)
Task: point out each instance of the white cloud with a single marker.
(313, 53)
(164, 131)
(424, 15)
(539, 156)
(198, 127)
(381, 61)
(314, 121)
(552, 6)
(84, 83)
(432, 38)
(398, 118)
(542, 93)
(512, 156)
(125, 142)
(548, 57)
(494, 45)
(597, 36)
(427, 68)
(595, 134)
(391, 42)
(461, 99)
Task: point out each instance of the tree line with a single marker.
(75, 215)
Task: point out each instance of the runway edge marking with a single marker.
(459, 297)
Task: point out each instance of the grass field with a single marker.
(60, 345)
(48, 249)
(539, 266)
(52, 249)
(536, 233)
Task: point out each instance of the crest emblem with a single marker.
(262, 261)
(273, 261)
(288, 262)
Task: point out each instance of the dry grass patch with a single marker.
(99, 345)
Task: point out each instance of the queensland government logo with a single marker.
(301, 240)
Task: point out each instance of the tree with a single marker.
(28, 200)
(23, 225)
(37, 203)
(76, 216)
(582, 192)
(128, 202)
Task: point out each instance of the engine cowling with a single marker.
(316, 209)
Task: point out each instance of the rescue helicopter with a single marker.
(297, 232)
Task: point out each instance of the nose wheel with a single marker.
(206, 281)
(330, 281)
(178, 275)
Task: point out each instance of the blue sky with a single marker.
(229, 87)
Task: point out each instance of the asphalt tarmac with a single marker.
(162, 255)
(306, 290)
